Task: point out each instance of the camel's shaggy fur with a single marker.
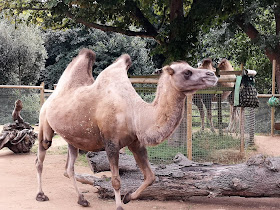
(108, 114)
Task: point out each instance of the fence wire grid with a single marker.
(217, 143)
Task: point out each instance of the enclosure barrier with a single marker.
(41, 88)
(146, 87)
(144, 84)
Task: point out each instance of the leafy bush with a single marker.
(22, 53)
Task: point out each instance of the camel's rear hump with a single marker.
(79, 71)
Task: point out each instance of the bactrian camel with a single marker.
(206, 99)
(108, 114)
(226, 66)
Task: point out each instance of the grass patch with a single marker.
(82, 160)
(208, 146)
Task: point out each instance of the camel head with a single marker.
(207, 64)
(225, 65)
(187, 79)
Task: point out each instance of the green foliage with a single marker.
(223, 42)
(30, 100)
(22, 53)
(31, 105)
(62, 46)
(177, 36)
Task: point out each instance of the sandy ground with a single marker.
(18, 186)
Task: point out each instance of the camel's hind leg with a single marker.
(141, 157)
(45, 141)
(71, 158)
(112, 151)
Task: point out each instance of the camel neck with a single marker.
(167, 109)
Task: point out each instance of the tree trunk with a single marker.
(277, 72)
(258, 177)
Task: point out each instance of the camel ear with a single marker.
(168, 69)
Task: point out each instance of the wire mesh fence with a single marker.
(31, 104)
(214, 141)
(211, 139)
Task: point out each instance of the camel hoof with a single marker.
(41, 197)
(83, 202)
(120, 208)
(127, 197)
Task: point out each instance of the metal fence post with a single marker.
(189, 126)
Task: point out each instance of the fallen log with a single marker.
(258, 177)
(98, 162)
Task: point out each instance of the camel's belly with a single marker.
(85, 136)
(83, 142)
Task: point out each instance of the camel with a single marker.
(107, 114)
(206, 99)
(226, 66)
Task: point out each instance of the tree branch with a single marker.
(24, 8)
(277, 18)
(110, 28)
(163, 18)
(138, 15)
(248, 28)
(253, 34)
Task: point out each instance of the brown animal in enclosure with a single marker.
(206, 99)
(225, 65)
(16, 112)
(109, 114)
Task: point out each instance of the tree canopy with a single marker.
(62, 46)
(174, 24)
(22, 53)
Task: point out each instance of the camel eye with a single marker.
(187, 74)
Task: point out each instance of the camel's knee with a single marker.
(116, 182)
(70, 172)
(46, 144)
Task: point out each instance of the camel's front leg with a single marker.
(71, 158)
(45, 141)
(198, 102)
(112, 151)
(141, 157)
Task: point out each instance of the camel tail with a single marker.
(45, 132)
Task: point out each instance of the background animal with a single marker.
(234, 114)
(108, 114)
(205, 99)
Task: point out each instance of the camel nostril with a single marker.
(210, 73)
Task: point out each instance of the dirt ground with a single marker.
(18, 186)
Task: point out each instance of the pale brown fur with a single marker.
(206, 99)
(109, 114)
(226, 66)
(16, 112)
